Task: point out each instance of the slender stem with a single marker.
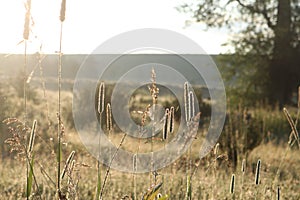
(98, 161)
(59, 109)
(109, 166)
(25, 103)
(33, 174)
(24, 82)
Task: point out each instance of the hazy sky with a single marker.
(90, 22)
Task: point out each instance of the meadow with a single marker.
(43, 156)
(256, 157)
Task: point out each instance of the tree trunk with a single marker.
(281, 63)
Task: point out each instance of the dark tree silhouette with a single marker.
(266, 42)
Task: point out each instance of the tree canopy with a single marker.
(266, 42)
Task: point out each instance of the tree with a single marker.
(266, 42)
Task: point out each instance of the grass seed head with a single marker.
(101, 96)
(171, 119)
(27, 20)
(232, 184)
(186, 99)
(166, 124)
(108, 117)
(243, 166)
(257, 172)
(62, 11)
(191, 105)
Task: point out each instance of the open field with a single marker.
(264, 136)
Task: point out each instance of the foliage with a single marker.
(265, 40)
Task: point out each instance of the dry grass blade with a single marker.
(152, 192)
(216, 150)
(46, 175)
(293, 126)
(32, 137)
(68, 161)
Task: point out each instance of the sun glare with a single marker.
(89, 23)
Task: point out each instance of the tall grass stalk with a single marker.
(100, 109)
(59, 71)
(291, 142)
(154, 91)
(26, 37)
(30, 159)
